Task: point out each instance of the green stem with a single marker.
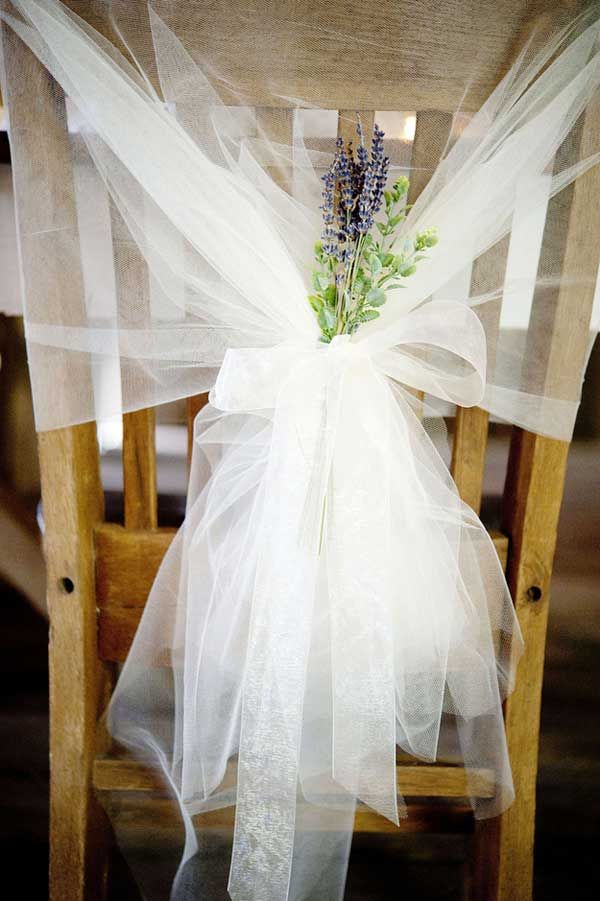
(350, 278)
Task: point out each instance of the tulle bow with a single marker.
(251, 379)
(324, 600)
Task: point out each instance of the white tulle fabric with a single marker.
(329, 596)
(163, 218)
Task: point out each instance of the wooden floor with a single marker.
(415, 868)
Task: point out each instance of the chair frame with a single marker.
(99, 574)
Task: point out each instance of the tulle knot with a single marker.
(343, 351)
(340, 341)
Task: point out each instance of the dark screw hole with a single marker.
(66, 585)
(534, 593)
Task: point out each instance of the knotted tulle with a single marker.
(335, 598)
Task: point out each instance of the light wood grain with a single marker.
(347, 122)
(139, 454)
(532, 501)
(471, 424)
(468, 453)
(437, 781)
(156, 820)
(72, 500)
(78, 682)
(309, 51)
(418, 56)
(139, 469)
(276, 127)
(432, 131)
(126, 565)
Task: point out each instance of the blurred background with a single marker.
(422, 867)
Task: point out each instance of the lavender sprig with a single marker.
(356, 266)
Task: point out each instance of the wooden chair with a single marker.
(99, 573)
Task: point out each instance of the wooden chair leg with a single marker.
(73, 505)
(503, 868)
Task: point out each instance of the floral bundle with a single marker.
(357, 267)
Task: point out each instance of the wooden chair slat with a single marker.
(126, 564)
(145, 813)
(139, 469)
(435, 781)
(139, 452)
(312, 65)
(471, 424)
(468, 453)
(432, 131)
(80, 683)
(72, 506)
(277, 126)
(346, 128)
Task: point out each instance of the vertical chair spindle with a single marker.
(432, 131)
(471, 426)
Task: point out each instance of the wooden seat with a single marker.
(99, 573)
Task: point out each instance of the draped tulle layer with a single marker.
(185, 227)
(328, 597)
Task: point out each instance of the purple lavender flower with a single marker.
(352, 193)
(374, 181)
(357, 268)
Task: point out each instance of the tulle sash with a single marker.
(356, 603)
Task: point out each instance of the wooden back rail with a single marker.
(99, 574)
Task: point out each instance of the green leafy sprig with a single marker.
(355, 275)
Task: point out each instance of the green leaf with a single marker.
(382, 228)
(320, 282)
(330, 295)
(401, 186)
(367, 315)
(394, 220)
(375, 264)
(405, 271)
(376, 297)
(315, 302)
(326, 318)
(388, 259)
